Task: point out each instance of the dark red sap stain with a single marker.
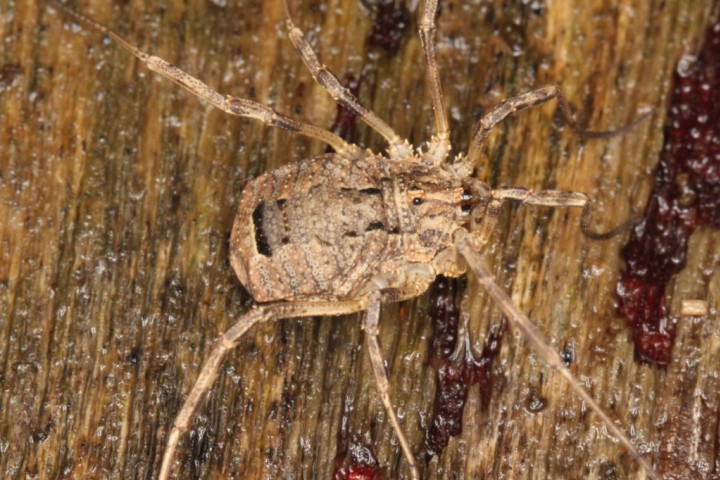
(345, 124)
(357, 472)
(355, 460)
(455, 375)
(686, 196)
(392, 19)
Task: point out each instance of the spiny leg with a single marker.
(227, 342)
(440, 144)
(372, 319)
(399, 148)
(233, 105)
(514, 104)
(541, 344)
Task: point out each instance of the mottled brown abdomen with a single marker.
(315, 228)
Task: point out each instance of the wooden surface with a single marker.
(118, 191)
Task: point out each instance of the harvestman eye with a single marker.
(283, 235)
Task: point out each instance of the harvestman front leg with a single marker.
(549, 198)
(439, 146)
(228, 341)
(372, 319)
(560, 198)
(519, 320)
(527, 100)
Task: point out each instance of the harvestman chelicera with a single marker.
(347, 231)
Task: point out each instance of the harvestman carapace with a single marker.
(345, 232)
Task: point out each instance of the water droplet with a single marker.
(684, 66)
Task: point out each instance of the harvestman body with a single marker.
(407, 217)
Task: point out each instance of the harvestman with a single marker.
(407, 217)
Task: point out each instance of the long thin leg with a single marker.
(440, 145)
(487, 218)
(521, 102)
(399, 148)
(232, 105)
(372, 319)
(228, 341)
(562, 198)
(541, 344)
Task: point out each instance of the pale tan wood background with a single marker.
(118, 190)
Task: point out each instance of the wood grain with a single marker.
(118, 190)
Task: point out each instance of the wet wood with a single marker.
(118, 190)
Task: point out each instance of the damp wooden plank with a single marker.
(117, 196)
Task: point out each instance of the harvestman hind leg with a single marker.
(521, 102)
(371, 322)
(229, 104)
(399, 148)
(519, 320)
(228, 341)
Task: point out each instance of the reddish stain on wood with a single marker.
(686, 196)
